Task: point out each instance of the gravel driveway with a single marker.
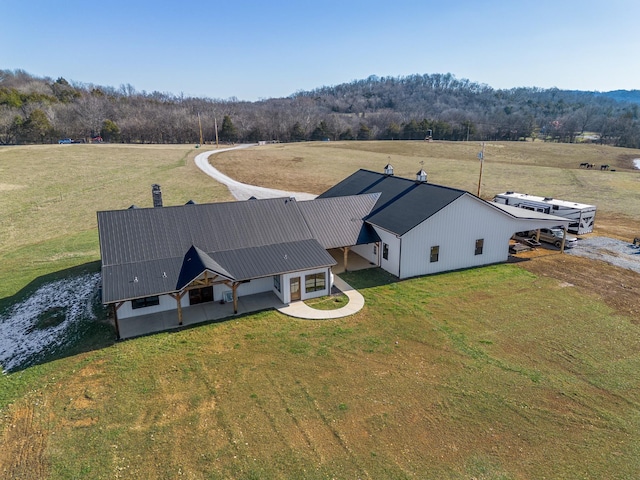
(243, 191)
(616, 252)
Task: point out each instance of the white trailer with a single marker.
(582, 216)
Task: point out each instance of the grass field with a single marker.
(490, 373)
(538, 168)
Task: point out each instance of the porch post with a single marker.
(178, 298)
(234, 289)
(346, 256)
(115, 317)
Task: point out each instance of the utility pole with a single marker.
(215, 122)
(481, 157)
(200, 125)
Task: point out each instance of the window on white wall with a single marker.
(145, 302)
(479, 246)
(276, 283)
(435, 254)
(315, 282)
(385, 251)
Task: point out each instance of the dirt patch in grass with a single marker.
(24, 442)
(617, 287)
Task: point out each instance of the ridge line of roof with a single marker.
(412, 180)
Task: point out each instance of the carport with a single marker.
(526, 220)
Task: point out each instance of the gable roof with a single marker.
(403, 203)
(153, 251)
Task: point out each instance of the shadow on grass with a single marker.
(370, 277)
(83, 336)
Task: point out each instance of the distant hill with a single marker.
(413, 107)
(631, 96)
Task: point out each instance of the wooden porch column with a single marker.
(115, 307)
(234, 289)
(178, 298)
(346, 256)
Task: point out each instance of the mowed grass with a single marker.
(490, 373)
(49, 196)
(537, 168)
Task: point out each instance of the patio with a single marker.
(204, 312)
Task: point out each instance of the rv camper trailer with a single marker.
(583, 216)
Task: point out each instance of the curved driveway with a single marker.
(243, 191)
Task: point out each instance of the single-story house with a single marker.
(168, 258)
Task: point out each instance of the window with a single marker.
(479, 246)
(276, 283)
(145, 302)
(385, 251)
(375, 249)
(435, 253)
(315, 282)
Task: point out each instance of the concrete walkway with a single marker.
(302, 310)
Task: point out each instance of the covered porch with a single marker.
(204, 312)
(353, 260)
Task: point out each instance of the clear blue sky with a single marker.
(263, 49)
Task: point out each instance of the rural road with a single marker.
(243, 191)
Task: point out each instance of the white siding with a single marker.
(286, 292)
(166, 303)
(392, 263)
(370, 252)
(455, 230)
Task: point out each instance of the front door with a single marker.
(200, 295)
(295, 288)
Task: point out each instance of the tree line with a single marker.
(416, 107)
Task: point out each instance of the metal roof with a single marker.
(403, 203)
(147, 251)
(339, 221)
(194, 264)
(525, 214)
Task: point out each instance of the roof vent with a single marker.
(509, 193)
(388, 170)
(157, 195)
(421, 176)
(547, 199)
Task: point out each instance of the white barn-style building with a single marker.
(426, 228)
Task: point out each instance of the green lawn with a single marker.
(489, 373)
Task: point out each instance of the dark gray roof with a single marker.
(195, 262)
(339, 221)
(266, 260)
(403, 203)
(144, 250)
